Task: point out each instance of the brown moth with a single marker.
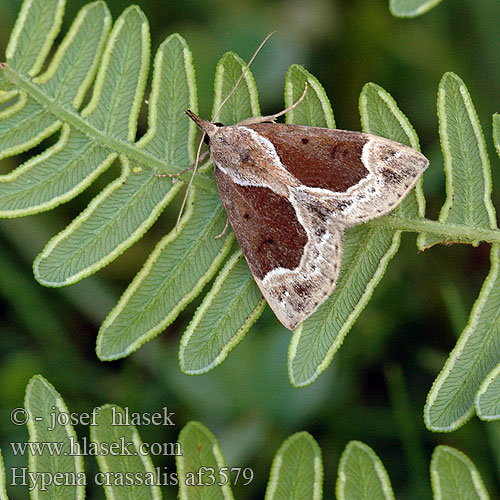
(290, 191)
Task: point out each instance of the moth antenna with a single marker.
(271, 118)
(198, 157)
(245, 69)
(190, 183)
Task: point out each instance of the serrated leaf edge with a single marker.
(447, 155)
(66, 43)
(143, 273)
(198, 316)
(145, 458)
(278, 462)
(67, 195)
(249, 80)
(155, 91)
(3, 479)
(435, 476)
(339, 339)
(488, 285)
(318, 89)
(70, 431)
(34, 141)
(49, 39)
(405, 124)
(217, 452)
(483, 388)
(87, 214)
(424, 7)
(377, 465)
(78, 121)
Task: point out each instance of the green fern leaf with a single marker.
(38, 104)
(234, 302)
(59, 173)
(297, 470)
(467, 167)
(367, 251)
(223, 318)
(186, 259)
(41, 401)
(411, 8)
(454, 476)
(3, 482)
(315, 107)
(487, 400)
(108, 431)
(362, 475)
(450, 402)
(181, 264)
(200, 450)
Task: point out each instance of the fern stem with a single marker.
(75, 119)
(454, 232)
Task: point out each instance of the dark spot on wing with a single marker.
(339, 152)
(301, 289)
(261, 247)
(319, 211)
(305, 140)
(391, 177)
(320, 231)
(343, 204)
(245, 157)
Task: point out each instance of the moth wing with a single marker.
(295, 259)
(356, 176)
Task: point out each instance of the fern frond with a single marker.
(113, 63)
(296, 472)
(411, 8)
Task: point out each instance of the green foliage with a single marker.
(454, 476)
(466, 163)
(411, 8)
(104, 433)
(93, 135)
(296, 472)
(200, 449)
(231, 306)
(362, 475)
(43, 403)
(3, 490)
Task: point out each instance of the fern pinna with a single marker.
(201, 472)
(43, 96)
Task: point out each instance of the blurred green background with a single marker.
(376, 387)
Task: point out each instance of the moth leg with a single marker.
(271, 118)
(221, 234)
(187, 169)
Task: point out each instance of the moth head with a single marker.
(208, 127)
(228, 145)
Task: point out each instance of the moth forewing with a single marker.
(290, 191)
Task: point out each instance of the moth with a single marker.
(290, 192)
